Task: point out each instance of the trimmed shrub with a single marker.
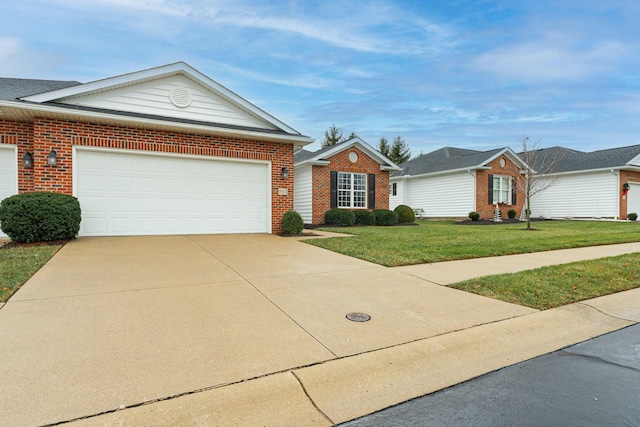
(474, 216)
(40, 216)
(339, 217)
(385, 217)
(405, 214)
(511, 213)
(632, 216)
(365, 217)
(291, 223)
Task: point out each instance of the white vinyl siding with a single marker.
(152, 97)
(398, 199)
(8, 173)
(132, 193)
(303, 192)
(451, 195)
(583, 195)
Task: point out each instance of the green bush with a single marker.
(511, 213)
(37, 217)
(474, 216)
(405, 214)
(385, 217)
(365, 217)
(632, 216)
(291, 223)
(339, 217)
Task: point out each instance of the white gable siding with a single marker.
(303, 193)
(451, 195)
(152, 97)
(585, 195)
(398, 199)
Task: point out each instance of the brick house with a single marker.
(451, 182)
(349, 175)
(160, 151)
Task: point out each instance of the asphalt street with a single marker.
(593, 383)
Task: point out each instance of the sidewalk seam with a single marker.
(311, 399)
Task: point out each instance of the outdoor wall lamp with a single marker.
(27, 160)
(52, 158)
(285, 172)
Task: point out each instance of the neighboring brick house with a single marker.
(598, 184)
(160, 151)
(349, 175)
(451, 182)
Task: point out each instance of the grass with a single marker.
(433, 241)
(18, 264)
(549, 287)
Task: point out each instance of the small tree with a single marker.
(351, 136)
(399, 152)
(383, 147)
(540, 171)
(332, 136)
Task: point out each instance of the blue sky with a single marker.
(470, 74)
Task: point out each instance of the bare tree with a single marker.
(540, 170)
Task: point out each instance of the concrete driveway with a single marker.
(112, 323)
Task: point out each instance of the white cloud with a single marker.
(551, 59)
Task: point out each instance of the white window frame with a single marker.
(501, 189)
(348, 193)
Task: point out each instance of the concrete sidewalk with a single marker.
(251, 330)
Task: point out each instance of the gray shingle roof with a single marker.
(445, 159)
(12, 89)
(302, 155)
(573, 160)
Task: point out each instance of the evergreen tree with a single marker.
(351, 136)
(399, 152)
(332, 136)
(383, 147)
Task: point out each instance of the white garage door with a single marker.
(128, 193)
(633, 198)
(8, 173)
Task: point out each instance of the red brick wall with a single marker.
(340, 162)
(20, 134)
(626, 176)
(46, 134)
(483, 207)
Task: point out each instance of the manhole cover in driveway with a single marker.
(358, 317)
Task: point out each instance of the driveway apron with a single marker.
(116, 322)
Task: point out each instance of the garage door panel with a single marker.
(147, 194)
(8, 173)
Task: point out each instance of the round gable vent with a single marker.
(180, 97)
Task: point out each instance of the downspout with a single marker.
(475, 189)
(617, 174)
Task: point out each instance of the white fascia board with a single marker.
(156, 73)
(510, 154)
(447, 172)
(356, 142)
(312, 163)
(581, 171)
(298, 140)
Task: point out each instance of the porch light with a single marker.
(27, 160)
(52, 158)
(285, 172)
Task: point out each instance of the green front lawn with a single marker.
(18, 264)
(557, 285)
(433, 241)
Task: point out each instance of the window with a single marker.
(394, 189)
(352, 190)
(501, 189)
